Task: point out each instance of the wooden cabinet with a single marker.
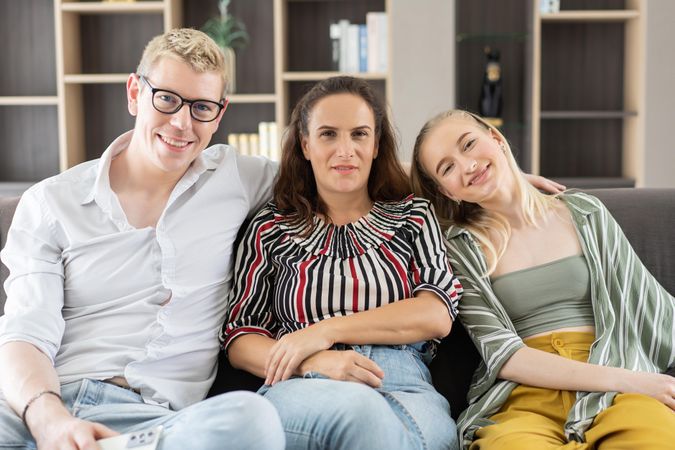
(573, 84)
(63, 99)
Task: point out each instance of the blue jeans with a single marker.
(236, 420)
(405, 413)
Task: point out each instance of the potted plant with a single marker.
(229, 33)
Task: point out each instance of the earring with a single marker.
(457, 201)
(501, 144)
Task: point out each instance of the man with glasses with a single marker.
(119, 270)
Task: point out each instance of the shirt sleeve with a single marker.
(633, 292)
(257, 175)
(36, 282)
(252, 294)
(481, 314)
(430, 266)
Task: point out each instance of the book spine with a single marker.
(344, 45)
(383, 42)
(275, 146)
(371, 26)
(352, 49)
(264, 134)
(363, 48)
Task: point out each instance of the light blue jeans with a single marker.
(405, 413)
(236, 420)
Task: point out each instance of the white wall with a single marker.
(423, 72)
(660, 95)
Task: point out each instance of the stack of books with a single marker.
(263, 143)
(361, 47)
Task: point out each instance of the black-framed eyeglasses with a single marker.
(168, 102)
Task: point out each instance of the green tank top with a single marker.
(547, 297)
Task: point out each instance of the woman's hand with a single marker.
(346, 365)
(292, 349)
(544, 184)
(656, 385)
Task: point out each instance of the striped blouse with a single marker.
(634, 317)
(285, 282)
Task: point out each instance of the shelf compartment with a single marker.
(243, 118)
(26, 33)
(255, 63)
(582, 148)
(587, 114)
(25, 100)
(591, 16)
(105, 117)
(313, 19)
(316, 76)
(582, 67)
(30, 145)
(149, 7)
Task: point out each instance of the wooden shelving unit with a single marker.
(71, 104)
(588, 104)
(573, 84)
(299, 62)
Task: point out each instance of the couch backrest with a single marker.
(646, 216)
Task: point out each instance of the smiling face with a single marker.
(341, 145)
(170, 142)
(466, 161)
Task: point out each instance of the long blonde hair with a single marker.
(490, 228)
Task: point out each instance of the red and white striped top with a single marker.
(284, 282)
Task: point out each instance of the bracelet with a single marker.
(35, 397)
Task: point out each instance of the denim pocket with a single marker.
(417, 358)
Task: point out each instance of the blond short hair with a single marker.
(190, 46)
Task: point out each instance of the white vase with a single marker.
(230, 69)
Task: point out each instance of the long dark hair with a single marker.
(295, 191)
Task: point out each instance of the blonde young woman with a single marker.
(574, 332)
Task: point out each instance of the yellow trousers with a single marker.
(533, 418)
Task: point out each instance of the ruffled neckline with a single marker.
(346, 241)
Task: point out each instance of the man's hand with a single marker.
(55, 429)
(292, 349)
(346, 365)
(544, 184)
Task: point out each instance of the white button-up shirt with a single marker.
(88, 289)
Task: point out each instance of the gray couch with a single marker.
(646, 215)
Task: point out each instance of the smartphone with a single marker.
(136, 440)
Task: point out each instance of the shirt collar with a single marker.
(101, 191)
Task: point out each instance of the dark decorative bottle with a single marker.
(491, 90)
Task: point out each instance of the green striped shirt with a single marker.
(633, 317)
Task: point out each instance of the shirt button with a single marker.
(558, 342)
